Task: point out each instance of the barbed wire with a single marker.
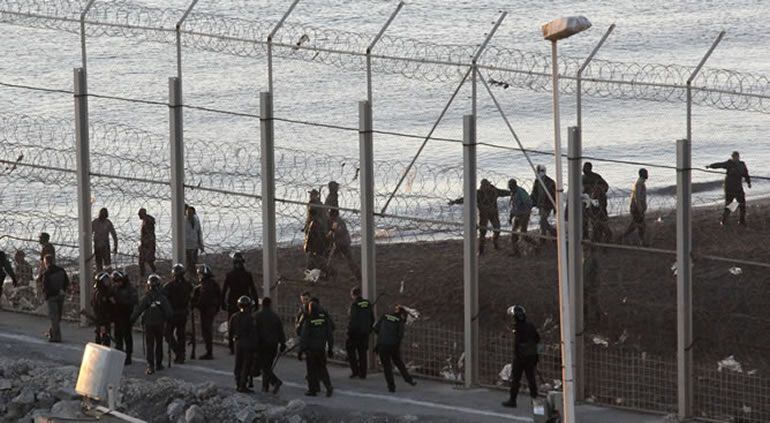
(410, 58)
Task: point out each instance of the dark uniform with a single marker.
(103, 304)
(126, 298)
(55, 285)
(596, 188)
(544, 205)
(178, 292)
(736, 173)
(271, 338)
(5, 268)
(246, 339)
(486, 198)
(316, 228)
(207, 298)
(359, 327)
(390, 333)
(525, 358)
(155, 310)
(238, 282)
(316, 341)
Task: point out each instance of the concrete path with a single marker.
(21, 336)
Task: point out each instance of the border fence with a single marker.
(635, 304)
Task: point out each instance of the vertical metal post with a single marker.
(82, 148)
(371, 47)
(179, 39)
(575, 253)
(83, 56)
(685, 384)
(579, 79)
(366, 157)
(176, 138)
(684, 279)
(470, 254)
(270, 45)
(269, 240)
(567, 337)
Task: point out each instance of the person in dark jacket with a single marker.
(332, 199)
(737, 172)
(316, 342)
(540, 199)
(155, 310)
(246, 340)
(361, 320)
(238, 282)
(390, 333)
(147, 242)
(178, 292)
(206, 298)
(299, 319)
(521, 207)
(103, 304)
(6, 268)
(486, 199)
(525, 354)
(271, 340)
(596, 213)
(126, 298)
(315, 229)
(339, 237)
(55, 285)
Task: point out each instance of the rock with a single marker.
(194, 414)
(275, 413)
(295, 419)
(45, 400)
(67, 409)
(205, 390)
(259, 407)
(246, 416)
(5, 384)
(295, 406)
(21, 404)
(175, 410)
(407, 419)
(66, 393)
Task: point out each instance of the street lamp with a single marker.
(554, 31)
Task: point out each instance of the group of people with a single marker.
(315, 329)
(595, 215)
(326, 234)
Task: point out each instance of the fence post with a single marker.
(267, 153)
(575, 252)
(366, 151)
(684, 279)
(176, 137)
(82, 149)
(470, 255)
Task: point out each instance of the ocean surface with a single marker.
(223, 149)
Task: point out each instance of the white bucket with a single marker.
(101, 367)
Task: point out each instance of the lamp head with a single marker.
(565, 27)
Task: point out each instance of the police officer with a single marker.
(238, 282)
(178, 292)
(206, 298)
(102, 302)
(246, 340)
(737, 172)
(390, 333)
(155, 310)
(361, 319)
(525, 354)
(271, 339)
(316, 342)
(126, 299)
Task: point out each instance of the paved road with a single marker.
(21, 336)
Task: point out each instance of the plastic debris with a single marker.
(600, 340)
(505, 373)
(660, 219)
(729, 363)
(401, 288)
(746, 409)
(735, 270)
(623, 337)
(674, 268)
(312, 275)
(223, 327)
(411, 314)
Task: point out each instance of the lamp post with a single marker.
(554, 31)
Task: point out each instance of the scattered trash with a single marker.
(730, 363)
(223, 327)
(733, 206)
(746, 409)
(453, 370)
(644, 355)
(302, 40)
(659, 219)
(623, 337)
(312, 275)
(674, 268)
(735, 270)
(618, 401)
(624, 300)
(600, 340)
(411, 314)
(591, 399)
(401, 288)
(752, 372)
(505, 373)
